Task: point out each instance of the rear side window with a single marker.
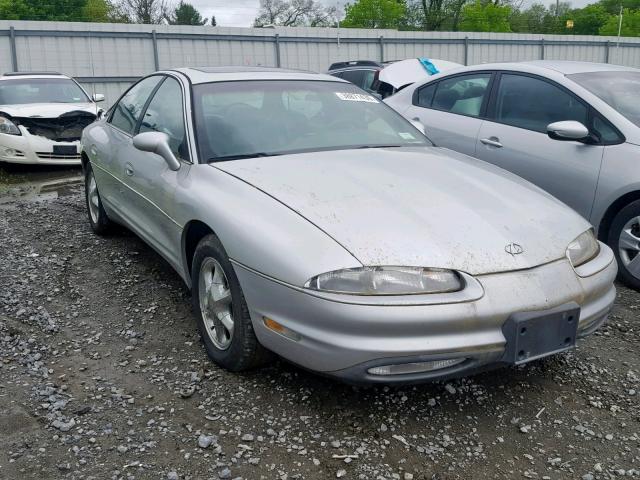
(462, 94)
(127, 111)
(533, 103)
(425, 95)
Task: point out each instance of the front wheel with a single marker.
(624, 240)
(222, 313)
(98, 219)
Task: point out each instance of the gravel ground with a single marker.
(102, 375)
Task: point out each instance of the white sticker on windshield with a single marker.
(356, 97)
(406, 135)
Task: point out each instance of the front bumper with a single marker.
(33, 149)
(341, 338)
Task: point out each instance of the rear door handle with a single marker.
(128, 169)
(493, 141)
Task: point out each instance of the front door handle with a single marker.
(128, 169)
(493, 141)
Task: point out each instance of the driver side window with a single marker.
(165, 114)
(127, 111)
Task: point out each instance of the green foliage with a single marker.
(14, 10)
(96, 11)
(485, 17)
(587, 20)
(375, 14)
(186, 14)
(630, 24)
(613, 6)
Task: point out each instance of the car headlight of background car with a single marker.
(583, 248)
(387, 281)
(8, 127)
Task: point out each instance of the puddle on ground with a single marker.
(36, 183)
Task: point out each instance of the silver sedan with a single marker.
(572, 128)
(311, 220)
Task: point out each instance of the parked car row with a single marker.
(572, 128)
(42, 115)
(311, 220)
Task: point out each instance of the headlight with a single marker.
(583, 248)
(387, 281)
(8, 127)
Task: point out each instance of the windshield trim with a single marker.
(207, 159)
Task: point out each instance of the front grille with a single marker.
(57, 156)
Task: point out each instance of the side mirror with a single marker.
(98, 97)
(158, 143)
(569, 130)
(419, 125)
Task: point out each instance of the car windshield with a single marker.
(40, 90)
(261, 118)
(619, 89)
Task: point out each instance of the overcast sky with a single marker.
(240, 13)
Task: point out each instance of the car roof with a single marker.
(18, 75)
(564, 67)
(229, 74)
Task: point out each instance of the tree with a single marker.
(144, 11)
(186, 14)
(59, 10)
(485, 17)
(375, 14)
(587, 20)
(96, 11)
(294, 13)
(613, 6)
(213, 21)
(14, 10)
(630, 24)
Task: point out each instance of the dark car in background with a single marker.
(363, 73)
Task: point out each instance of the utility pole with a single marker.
(619, 27)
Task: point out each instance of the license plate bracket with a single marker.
(534, 335)
(65, 149)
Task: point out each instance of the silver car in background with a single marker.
(572, 128)
(311, 220)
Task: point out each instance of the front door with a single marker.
(148, 177)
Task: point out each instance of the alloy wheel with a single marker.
(92, 197)
(216, 303)
(629, 246)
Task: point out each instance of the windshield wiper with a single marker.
(391, 145)
(242, 156)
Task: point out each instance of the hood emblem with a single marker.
(513, 249)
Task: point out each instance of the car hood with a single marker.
(46, 110)
(417, 206)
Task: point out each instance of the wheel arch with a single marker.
(193, 232)
(84, 160)
(611, 212)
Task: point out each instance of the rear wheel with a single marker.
(222, 313)
(624, 239)
(98, 219)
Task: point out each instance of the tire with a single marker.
(98, 218)
(221, 312)
(624, 240)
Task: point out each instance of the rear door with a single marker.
(515, 138)
(452, 109)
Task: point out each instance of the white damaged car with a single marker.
(42, 116)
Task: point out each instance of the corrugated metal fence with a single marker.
(106, 58)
